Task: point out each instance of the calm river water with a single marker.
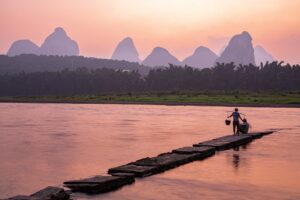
(46, 144)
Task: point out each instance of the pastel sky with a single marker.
(178, 25)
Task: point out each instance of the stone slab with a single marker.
(169, 160)
(226, 142)
(190, 150)
(51, 193)
(98, 184)
(48, 193)
(21, 197)
(123, 174)
(256, 135)
(138, 171)
(267, 132)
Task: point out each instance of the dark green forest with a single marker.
(275, 76)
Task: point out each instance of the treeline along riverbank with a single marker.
(82, 81)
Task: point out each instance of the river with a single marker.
(46, 144)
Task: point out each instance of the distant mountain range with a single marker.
(57, 43)
(23, 47)
(261, 55)
(203, 57)
(239, 50)
(126, 50)
(160, 57)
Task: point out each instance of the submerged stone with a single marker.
(21, 197)
(124, 174)
(256, 135)
(138, 171)
(200, 149)
(51, 193)
(48, 193)
(169, 160)
(267, 132)
(98, 184)
(226, 142)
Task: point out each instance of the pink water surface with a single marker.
(46, 144)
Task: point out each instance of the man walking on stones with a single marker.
(236, 123)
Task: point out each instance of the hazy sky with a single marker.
(178, 25)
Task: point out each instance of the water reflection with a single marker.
(236, 160)
(236, 155)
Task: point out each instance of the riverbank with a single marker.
(196, 99)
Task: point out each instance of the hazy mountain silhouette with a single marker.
(58, 43)
(23, 47)
(222, 50)
(126, 50)
(261, 55)
(239, 50)
(203, 57)
(160, 57)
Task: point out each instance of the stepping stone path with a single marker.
(126, 174)
(99, 184)
(200, 149)
(226, 142)
(137, 171)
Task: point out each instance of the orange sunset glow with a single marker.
(178, 25)
(149, 99)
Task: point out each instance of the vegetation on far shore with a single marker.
(273, 83)
(183, 97)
